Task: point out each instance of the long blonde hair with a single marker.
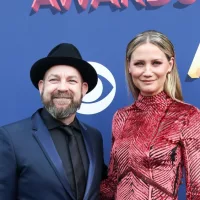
(172, 84)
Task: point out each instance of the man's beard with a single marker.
(61, 113)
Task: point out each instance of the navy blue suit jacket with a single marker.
(31, 169)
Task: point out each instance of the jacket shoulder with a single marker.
(122, 113)
(119, 120)
(186, 108)
(17, 126)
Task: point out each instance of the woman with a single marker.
(156, 135)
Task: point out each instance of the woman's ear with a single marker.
(171, 64)
(128, 65)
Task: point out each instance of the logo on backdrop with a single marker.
(90, 104)
(95, 3)
(194, 71)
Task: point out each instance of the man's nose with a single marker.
(63, 86)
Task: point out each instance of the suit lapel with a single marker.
(92, 158)
(45, 141)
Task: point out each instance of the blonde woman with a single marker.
(158, 134)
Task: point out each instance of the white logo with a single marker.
(194, 71)
(88, 106)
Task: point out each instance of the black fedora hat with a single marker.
(64, 54)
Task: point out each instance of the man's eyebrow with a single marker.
(54, 75)
(72, 76)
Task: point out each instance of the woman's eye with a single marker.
(138, 64)
(156, 63)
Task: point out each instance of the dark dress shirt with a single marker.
(60, 138)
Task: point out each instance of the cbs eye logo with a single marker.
(90, 103)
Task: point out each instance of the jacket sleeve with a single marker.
(109, 185)
(191, 154)
(7, 168)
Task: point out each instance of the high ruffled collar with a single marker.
(160, 100)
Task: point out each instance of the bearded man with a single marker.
(52, 155)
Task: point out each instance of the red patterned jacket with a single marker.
(152, 139)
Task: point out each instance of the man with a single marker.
(51, 155)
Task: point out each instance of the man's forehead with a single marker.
(59, 70)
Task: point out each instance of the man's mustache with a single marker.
(62, 95)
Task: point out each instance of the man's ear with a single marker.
(84, 88)
(40, 86)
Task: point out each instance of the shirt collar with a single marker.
(52, 123)
(158, 101)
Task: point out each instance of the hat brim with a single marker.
(86, 70)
